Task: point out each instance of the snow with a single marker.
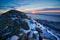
(53, 34)
(25, 31)
(20, 34)
(7, 33)
(35, 32)
(34, 25)
(32, 30)
(31, 26)
(14, 37)
(13, 18)
(5, 28)
(46, 32)
(31, 33)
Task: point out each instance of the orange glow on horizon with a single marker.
(35, 11)
(48, 11)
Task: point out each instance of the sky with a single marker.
(28, 4)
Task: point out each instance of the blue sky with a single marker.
(28, 4)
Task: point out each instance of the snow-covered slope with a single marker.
(33, 25)
(16, 25)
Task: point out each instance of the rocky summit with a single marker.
(10, 23)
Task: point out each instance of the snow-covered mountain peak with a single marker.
(15, 25)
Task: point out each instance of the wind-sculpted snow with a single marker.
(16, 25)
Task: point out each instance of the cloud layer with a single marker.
(28, 4)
